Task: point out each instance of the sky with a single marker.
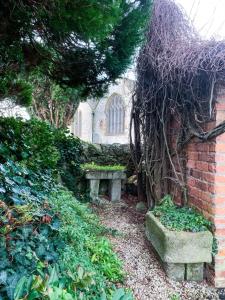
(208, 16)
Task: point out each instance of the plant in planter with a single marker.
(182, 239)
(95, 173)
(94, 167)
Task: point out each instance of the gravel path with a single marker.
(145, 276)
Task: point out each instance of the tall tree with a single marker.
(83, 44)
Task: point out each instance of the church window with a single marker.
(115, 115)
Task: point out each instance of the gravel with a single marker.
(145, 276)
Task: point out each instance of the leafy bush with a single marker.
(28, 227)
(86, 264)
(71, 151)
(31, 142)
(39, 230)
(180, 218)
(39, 146)
(52, 246)
(86, 247)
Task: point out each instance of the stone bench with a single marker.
(115, 178)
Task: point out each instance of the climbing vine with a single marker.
(178, 78)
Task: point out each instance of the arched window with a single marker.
(115, 115)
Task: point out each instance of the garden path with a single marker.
(145, 276)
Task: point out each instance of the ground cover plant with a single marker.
(52, 246)
(179, 218)
(93, 166)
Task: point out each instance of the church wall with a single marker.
(98, 118)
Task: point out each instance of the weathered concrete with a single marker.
(182, 253)
(141, 207)
(115, 178)
(105, 174)
(178, 246)
(175, 271)
(115, 190)
(94, 189)
(195, 272)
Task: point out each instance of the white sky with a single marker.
(208, 16)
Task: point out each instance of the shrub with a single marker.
(86, 264)
(30, 142)
(71, 151)
(28, 231)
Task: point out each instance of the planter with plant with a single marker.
(181, 237)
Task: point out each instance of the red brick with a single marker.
(220, 168)
(221, 138)
(220, 105)
(219, 221)
(212, 147)
(220, 232)
(220, 148)
(206, 196)
(220, 157)
(220, 274)
(203, 186)
(209, 125)
(219, 199)
(208, 208)
(202, 166)
(196, 174)
(206, 156)
(193, 155)
(191, 181)
(192, 147)
(220, 188)
(191, 164)
(203, 147)
(220, 211)
(211, 188)
(212, 168)
(220, 179)
(194, 192)
(209, 177)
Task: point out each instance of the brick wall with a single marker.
(205, 177)
(218, 203)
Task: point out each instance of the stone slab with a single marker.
(178, 246)
(105, 175)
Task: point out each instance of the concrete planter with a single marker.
(183, 254)
(114, 177)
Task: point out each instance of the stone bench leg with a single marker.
(94, 188)
(115, 192)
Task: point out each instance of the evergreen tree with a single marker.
(83, 44)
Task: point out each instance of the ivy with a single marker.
(52, 246)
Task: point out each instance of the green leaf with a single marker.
(2, 190)
(20, 288)
(53, 278)
(118, 294)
